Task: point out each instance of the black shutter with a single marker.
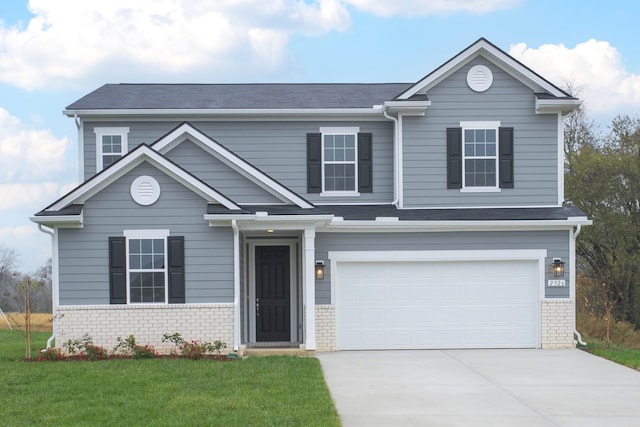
(314, 163)
(117, 270)
(454, 158)
(365, 163)
(176, 269)
(505, 137)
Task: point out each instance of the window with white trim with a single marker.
(339, 160)
(147, 266)
(111, 145)
(480, 154)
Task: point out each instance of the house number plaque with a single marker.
(556, 283)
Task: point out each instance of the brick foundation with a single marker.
(325, 328)
(205, 322)
(557, 323)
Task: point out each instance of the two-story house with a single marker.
(322, 216)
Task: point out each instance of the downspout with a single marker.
(396, 157)
(236, 285)
(54, 282)
(575, 330)
(80, 127)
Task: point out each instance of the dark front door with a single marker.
(273, 300)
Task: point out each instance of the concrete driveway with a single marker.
(481, 388)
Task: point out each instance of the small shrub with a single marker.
(86, 348)
(51, 354)
(128, 346)
(194, 349)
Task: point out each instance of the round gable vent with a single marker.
(145, 190)
(479, 78)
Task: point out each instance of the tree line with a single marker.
(602, 178)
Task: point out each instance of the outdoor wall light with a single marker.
(319, 270)
(557, 267)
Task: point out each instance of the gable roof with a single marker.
(486, 49)
(236, 96)
(244, 168)
(140, 154)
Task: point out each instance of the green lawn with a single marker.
(267, 391)
(624, 356)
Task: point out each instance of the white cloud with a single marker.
(68, 41)
(21, 232)
(28, 154)
(595, 68)
(431, 7)
(27, 195)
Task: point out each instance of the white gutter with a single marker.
(54, 278)
(236, 285)
(224, 112)
(573, 285)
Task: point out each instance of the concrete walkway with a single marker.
(481, 388)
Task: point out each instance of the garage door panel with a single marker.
(458, 304)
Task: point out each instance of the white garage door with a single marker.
(443, 304)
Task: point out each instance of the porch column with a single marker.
(309, 287)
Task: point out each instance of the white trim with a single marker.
(147, 235)
(237, 324)
(62, 221)
(483, 48)
(400, 161)
(480, 125)
(309, 287)
(180, 134)
(560, 160)
(293, 284)
(409, 108)
(205, 112)
(80, 128)
(339, 131)
(122, 132)
(556, 106)
(481, 189)
(141, 154)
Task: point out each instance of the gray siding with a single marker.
(276, 148)
(507, 101)
(555, 242)
(83, 253)
(218, 175)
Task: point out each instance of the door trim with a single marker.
(293, 284)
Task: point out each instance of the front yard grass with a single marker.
(622, 355)
(258, 391)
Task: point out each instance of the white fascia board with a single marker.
(205, 112)
(407, 108)
(230, 159)
(494, 55)
(551, 106)
(60, 221)
(252, 221)
(142, 153)
(444, 226)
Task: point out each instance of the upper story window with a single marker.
(339, 162)
(480, 166)
(480, 157)
(111, 145)
(339, 154)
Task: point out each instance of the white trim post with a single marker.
(309, 291)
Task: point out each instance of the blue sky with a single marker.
(54, 51)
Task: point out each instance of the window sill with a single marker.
(339, 194)
(481, 190)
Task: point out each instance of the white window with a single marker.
(111, 145)
(147, 266)
(480, 155)
(340, 160)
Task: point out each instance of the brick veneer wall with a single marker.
(325, 328)
(557, 323)
(206, 322)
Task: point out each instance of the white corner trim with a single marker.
(178, 135)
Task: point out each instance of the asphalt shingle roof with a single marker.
(238, 96)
